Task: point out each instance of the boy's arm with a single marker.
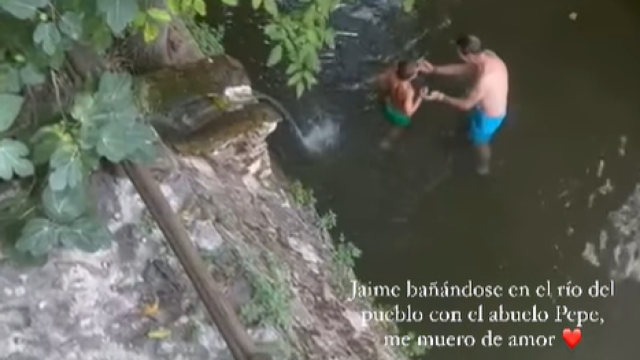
(412, 102)
(466, 103)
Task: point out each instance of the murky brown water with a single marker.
(419, 213)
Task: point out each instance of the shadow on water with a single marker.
(418, 213)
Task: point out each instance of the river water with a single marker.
(419, 212)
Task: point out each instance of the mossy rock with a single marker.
(174, 86)
(228, 127)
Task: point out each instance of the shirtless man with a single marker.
(487, 100)
(399, 98)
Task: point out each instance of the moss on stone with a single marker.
(228, 127)
(208, 38)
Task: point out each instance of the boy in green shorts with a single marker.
(399, 98)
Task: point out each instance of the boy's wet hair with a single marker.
(469, 45)
(406, 70)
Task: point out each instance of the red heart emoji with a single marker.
(572, 338)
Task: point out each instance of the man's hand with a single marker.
(424, 92)
(424, 66)
(434, 95)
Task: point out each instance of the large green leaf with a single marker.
(121, 138)
(13, 159)
(104, 107)
(66, 205)
(85, 234)
(38, 237)
(200, 7)
(90, 160)
(111, 106)
(118, 13)
(10, 106)
(71, 25)
(9, 79)
(30, 75)
(97, 33)
(44, 142)
(48, 37)
(89, 136)
(22, 9)
(275, 55)
(66, 167)
(114, 87)
(160, 15)
(83, 108)
(271, 6)
(16, 259)
(145, 154)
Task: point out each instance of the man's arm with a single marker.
(466, 103)
(471, 100)
(453, 69)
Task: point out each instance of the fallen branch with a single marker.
(233, 332)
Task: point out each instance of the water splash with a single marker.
(322, 135)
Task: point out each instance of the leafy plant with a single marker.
(329, 220)
(344, 260)
(413, 349)
(301, 195)
(208, 38)
(299, 35)
(271, 300)
(103, 123)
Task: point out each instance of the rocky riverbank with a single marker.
(264, 246)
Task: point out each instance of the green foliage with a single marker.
(344, 260)
(118, 13)
(271, 296)
(302, 196)
(13, 159)
(104, 123)
(298, 37)
(10, 105)
(328, 221)
(271, 299)
(208, 38)
(413, 349)
(101, 124)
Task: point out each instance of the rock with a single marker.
(89, 305)
(619, 243)
(183, 99)
(172, 86)
(233, 129)
(173, 47)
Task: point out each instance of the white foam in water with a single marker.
(322, 135)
